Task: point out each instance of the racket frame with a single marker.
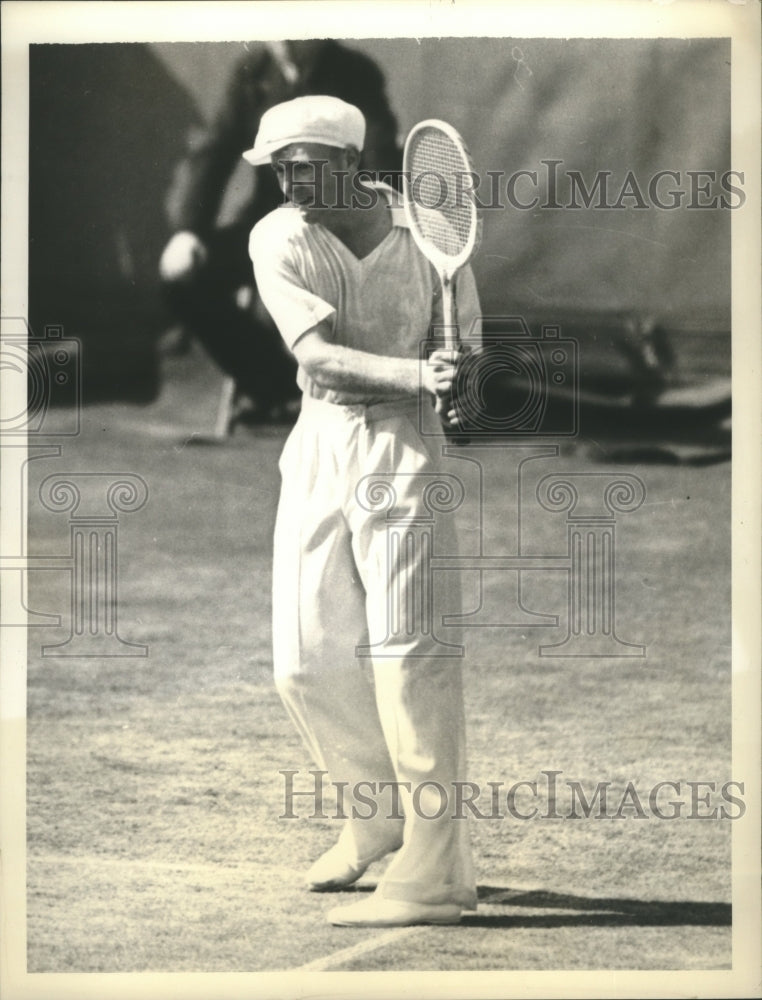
(445, 265)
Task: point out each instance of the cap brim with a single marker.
(258, 155)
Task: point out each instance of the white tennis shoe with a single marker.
(333, 871)
(379, 912)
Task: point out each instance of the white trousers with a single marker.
(341, 581)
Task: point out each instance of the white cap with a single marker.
(326, 120)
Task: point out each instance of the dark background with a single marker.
(109, 123)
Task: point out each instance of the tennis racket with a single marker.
(440, 207)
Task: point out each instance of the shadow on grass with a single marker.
(590, 910)
(594, 911)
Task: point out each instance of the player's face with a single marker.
(312, 176)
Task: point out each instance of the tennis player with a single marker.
(353, 298)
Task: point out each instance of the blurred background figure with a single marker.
(205, 269)
(105, 124)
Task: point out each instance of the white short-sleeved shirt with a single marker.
(383, 303)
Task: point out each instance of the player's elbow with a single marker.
(317, 359)
(320, 370)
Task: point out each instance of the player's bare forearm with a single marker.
(339, 368)
(344, 368)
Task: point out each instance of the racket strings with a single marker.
(441, 204)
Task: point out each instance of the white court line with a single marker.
(372, 944)
(147, 863)
(361, 948)
(325, 962)
(317, 965)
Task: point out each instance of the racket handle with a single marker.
(452, 343)
(449, 320)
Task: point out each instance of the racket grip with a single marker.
(458, 434)
(449, 318)
(454, 436)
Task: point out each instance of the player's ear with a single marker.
(352, 154)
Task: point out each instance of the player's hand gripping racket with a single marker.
(440, 207)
